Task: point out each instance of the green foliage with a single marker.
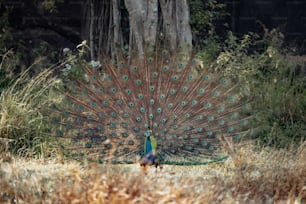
(281, 108)
(203, 18)
(279, 103)
(203, 14)
(5, 32)
(74, 61)
(9, 60)
(235, 61)
(211, 49)
(50, 5)
(16, 55)
(7, 66)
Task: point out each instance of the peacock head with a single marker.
(148, 133)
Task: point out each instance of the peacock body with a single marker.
(159, 105)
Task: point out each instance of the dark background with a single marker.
(288, 16)
(64, 29)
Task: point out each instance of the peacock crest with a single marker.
(186, 107)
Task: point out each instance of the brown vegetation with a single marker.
(248, 176)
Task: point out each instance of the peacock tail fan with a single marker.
(188, 108)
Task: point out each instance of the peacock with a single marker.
(161, 106)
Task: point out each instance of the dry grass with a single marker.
(249, 176)
(22, 105)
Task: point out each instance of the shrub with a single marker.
(21, 107)
(277, 84)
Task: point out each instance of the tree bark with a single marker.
(91, 31)
(136, 19)
(176, 23)
(103, 25)
(183, 26)
(117, 27)
(168, 9)
(150, 23)
(144, 18)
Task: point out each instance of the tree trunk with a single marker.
(117, 27)
(183, 27)
(91, 31)
(136, 9)
(176, 23)
(143, 16)
(168, 9)
(150, 22)
(103, 26)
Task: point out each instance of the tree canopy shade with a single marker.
(132, 24)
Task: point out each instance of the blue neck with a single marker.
(148, 146)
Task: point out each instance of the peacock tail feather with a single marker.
(107, 113)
